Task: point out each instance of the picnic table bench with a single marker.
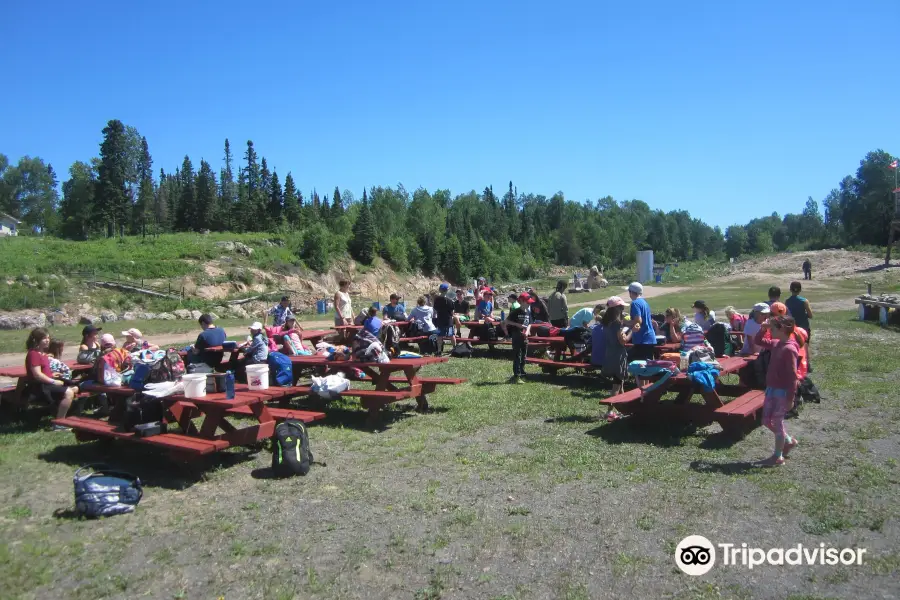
(18, 371)
(382, 376)
(15, 395)
(192, 441)
(733, 416)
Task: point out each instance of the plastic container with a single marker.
(321, 306)
(229, 385)
(683, 363)
(215, 383)
(194, 385)
(258, 377)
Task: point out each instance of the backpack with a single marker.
(546, 331)
(461, 351)
(290, 449)
(808, 391)
(104, 493)
(433, 345)
(755, 372)
(140, 409)
(691, 336)
(390, 339)
(488, 332)
(176, 365)
(281, 370)
(717, 337)
(168, 368)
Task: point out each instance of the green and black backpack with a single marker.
(290, 449)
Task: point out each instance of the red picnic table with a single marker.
(18, 371)
(558, 349)
(734, 415)
(386, 389)
(194, 441)
(16, 394)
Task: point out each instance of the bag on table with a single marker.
(390, 339)
(280, 369)
(330, 386)
(141, 409)
(718, 338)
(290, 449)
(87, 357)
(692, 336)
(546, 331)
(104, 493)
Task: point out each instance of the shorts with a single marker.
(446, 331)
(641, 352)
(45, 392)
(463, 318)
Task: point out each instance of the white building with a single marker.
(8, 225)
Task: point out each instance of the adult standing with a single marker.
(643, 336)
(559, 306)
(280, 312)
(798, 307)
(807, 269)
(40, 377)
(343, 311)
(443, 312)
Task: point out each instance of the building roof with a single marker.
(7, 217)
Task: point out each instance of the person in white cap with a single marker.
(135, 342)
(761, 311)
(643, 336)
(255, 351)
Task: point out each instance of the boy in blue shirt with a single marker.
(643, 336)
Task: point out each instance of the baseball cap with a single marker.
(615, 301)
(526, 298)
(256, 326)
(444, 287)
(135, 333)
(779, 309)
(761, 307)
(89, 330)
(487, 291)
(635, 288)
(107, 339)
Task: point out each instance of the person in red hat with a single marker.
(518, 324)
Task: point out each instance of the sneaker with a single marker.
(612, 416)
(772, 461)
(520, 379)
(790, 446)
(60, 428)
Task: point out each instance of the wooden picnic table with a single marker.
(193, 441)
(648, 403)
(386, 389)
(18, 371)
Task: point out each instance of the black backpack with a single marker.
(290, 449)
(390, 339)
(488, 332)
(461, 351)
(716, 338)
(140, 409)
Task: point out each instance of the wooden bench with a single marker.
(280, 414)
(552, 366)
(624, 398)
(179, 445)
(742, 412)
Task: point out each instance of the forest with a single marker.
(503, 234)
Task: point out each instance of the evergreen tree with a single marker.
(206, 194)
(112, 203)
(337, 206)
(146, 193)
(291, 206)
(325, 209)
(161, 204)
(276, 202)
(452, 261)
(187, 216)
(76, 209)
(253, 203)
(227, 193)
(364, 237)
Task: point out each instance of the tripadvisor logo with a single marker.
(696, 555)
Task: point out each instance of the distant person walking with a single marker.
(807, 269)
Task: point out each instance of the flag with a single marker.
(893, 165)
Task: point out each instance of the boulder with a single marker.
(31, 321)
(182, 313)
(108, 317)
(220, 310)
(144, 316)
(237, 311)
(166, 316)
(196, 314)
(214, 316)
(243, 249)
(10, 323)
(128, 316)
(227, 246)
(60, 317)
(89, 320)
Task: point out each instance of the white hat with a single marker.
(762, 307)
(635, 288)
(256, 326)
(135, 333)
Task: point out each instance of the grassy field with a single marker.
(502, 492)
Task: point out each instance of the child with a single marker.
(703, 317)
(89, 349)
(798, 307)
(292, 336)
(673, 326)
(774, 295)
(422, 315)
(615, 359)
(781, 382)
(60, 369)
(736, 319)
(343, 309)
(518, 323)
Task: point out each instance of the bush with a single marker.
(396, 253)
(317, 248)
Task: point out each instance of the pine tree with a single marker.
(452, 260)
(227, 193)
(78, 202)
(325, 209)
(186, 219)
(291, 207)
(161, 204)
(253, 205)
(276, 202)
(206, 195)
(337, 206)
(363, 241)
(111, 199)
(146, 196)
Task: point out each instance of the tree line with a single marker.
(504, 235)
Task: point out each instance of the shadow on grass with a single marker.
(355, 417)
(152, 466)
(730, 468)
(665, 434)
(574, 419)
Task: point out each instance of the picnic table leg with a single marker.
(413, 379)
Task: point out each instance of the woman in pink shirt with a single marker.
(781, 382)
(40, 377)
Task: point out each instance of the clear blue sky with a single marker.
(728, 109)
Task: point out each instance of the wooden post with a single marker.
(868, 288)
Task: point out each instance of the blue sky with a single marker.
(730, 110)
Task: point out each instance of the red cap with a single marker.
(526, 298)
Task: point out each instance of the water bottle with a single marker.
(502, 316)
(683, 364)
(229, 385)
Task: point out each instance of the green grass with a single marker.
(502, 491)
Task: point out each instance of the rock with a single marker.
(214, 316)
(108, 317)
(166, 316)
(145, 316)
(59, 317)
(196, 314)
(237, 311)
(89, 320)
(243, 249)
(221, 310)
(10, 323)
(24, 278)
(227, 246)
(53, 276)
(128, 316)
(182, 313)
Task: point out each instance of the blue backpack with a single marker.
(280, 369)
